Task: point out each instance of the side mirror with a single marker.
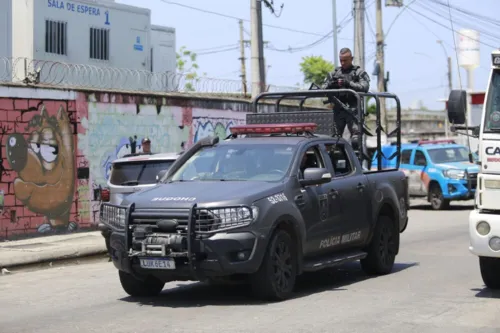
(160, 175)
(457, 106)
(315, 176)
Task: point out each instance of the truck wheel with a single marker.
(382, 249)
(490, 271)
(275, 279)
(436, 198)
(137, 288)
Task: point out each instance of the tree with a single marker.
(315, 69)
(188, 66)
(371, 108)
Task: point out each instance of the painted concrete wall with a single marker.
(57, 146)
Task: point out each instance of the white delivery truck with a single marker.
(484, 220)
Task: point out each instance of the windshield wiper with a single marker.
(130, 182)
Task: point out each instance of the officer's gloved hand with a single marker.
(344, 83)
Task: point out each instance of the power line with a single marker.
(217, 51)
(323, 38)
(444, 26)
(397, 16)
(438, 37)
(215, 48)
(463, 21)
(304, 47)
(467, 12)
(246, 20)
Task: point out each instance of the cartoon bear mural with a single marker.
(45, 167)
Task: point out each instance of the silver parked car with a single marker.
(132, 174)
(135, 173)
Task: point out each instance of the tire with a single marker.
(490, 271)
(136, 288)
(382, 249)
(268, 285)
(436, 198)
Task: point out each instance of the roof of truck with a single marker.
(148, 157)
(279, 139)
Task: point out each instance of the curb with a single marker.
(50, 250)
(40, 258)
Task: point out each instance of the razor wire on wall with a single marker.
(60, 74)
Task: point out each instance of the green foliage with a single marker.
(371, 108)
(187, 66)
(315, 69)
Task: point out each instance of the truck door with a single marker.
(418, 175)
(349, 214)
(312, 201)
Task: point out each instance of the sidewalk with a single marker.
(50, 248)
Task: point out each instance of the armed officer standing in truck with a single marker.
(347, 76)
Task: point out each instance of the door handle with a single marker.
(360, 187)
(333, 193)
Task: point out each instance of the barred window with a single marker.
(56, 37)
(99, 44)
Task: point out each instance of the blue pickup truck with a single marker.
(439, 170)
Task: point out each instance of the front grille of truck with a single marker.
(205, 220)
(152, 216)
(473, 180)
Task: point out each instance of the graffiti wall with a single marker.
(56, 152)
(37, 178)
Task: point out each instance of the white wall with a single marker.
(5, 33)
(22, 28)
(163, 45)
(126, 23)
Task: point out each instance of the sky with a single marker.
(416, 61)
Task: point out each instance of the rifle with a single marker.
(334, 100)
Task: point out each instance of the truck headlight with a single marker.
(214, 219)
(492, 183)
(495, 243)
(454, 174)
(113, 215)
(483, 228)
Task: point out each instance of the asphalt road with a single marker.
(436, 287)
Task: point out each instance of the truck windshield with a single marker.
(448, 155)
(137, 172)
(492, 116)
(238, 162)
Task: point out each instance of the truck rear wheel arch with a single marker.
(290, 225)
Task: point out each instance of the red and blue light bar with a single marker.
(291, 128)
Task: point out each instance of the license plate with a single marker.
(157, 263)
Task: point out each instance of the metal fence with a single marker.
(60, 74)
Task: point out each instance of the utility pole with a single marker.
(380, 60)
(257, 45)
(359, 33)
(242, 59)
(359, 49)
(334, 22)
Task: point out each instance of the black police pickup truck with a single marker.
(264, 207)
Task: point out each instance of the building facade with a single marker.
(89, 34)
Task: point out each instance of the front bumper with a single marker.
(196, 256)
(463, 189)
(479, 245)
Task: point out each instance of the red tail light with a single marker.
(105, 194)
